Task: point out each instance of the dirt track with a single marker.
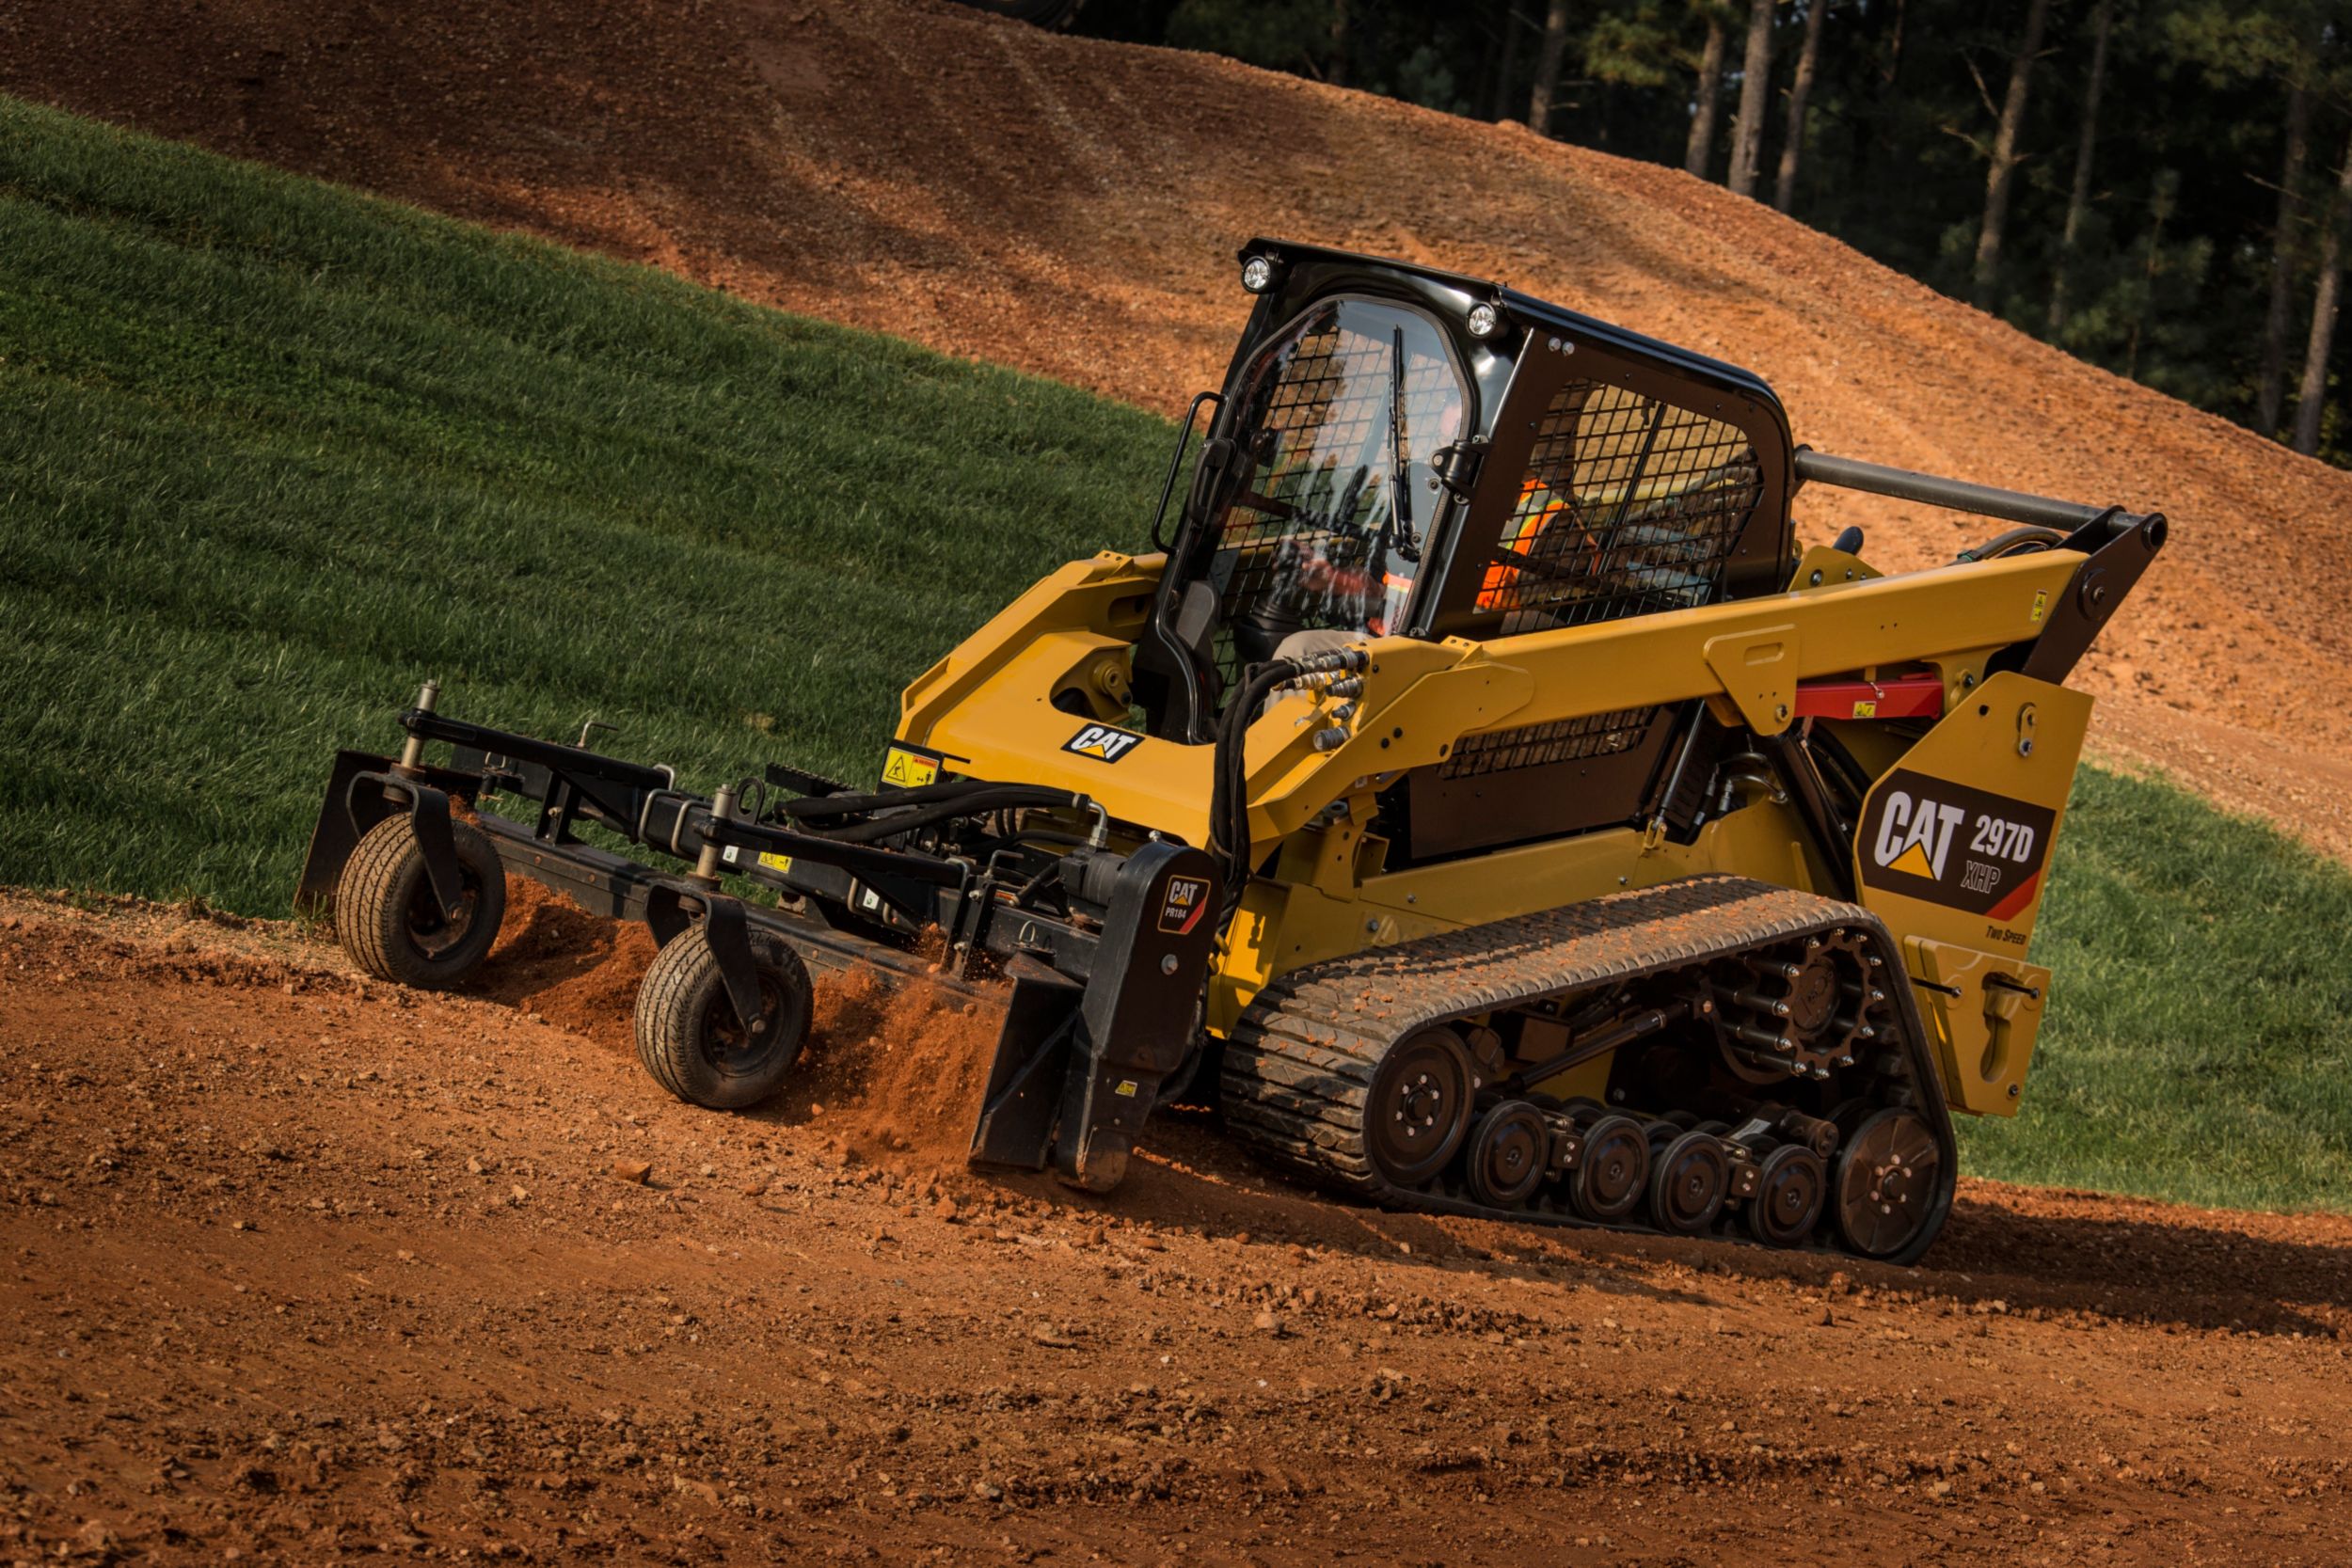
(306, 1267)
(1072, 207)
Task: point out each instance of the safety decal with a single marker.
(906, 768)
(1951, 845)
(1181, 905)
(2041, 604)
(1102, 743)
(774, 861)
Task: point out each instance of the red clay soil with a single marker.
(1072, 207)
(302, 1268)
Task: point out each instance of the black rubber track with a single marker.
(1299, 1064)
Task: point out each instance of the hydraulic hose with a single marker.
(971, 804)
(1229, 794)
(816, 808)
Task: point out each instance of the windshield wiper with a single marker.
(1398, 534)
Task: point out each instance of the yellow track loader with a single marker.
(1476, 798)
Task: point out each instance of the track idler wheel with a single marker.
(1688, 1182)
(1419, 1107)
(1886, 1181)
(1506, 1154)
(691, 1041)
(1791, 1184)
(1612, 1171)
(388, 920)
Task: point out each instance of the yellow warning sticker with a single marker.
(1866, 710)
(1127, 1088)
(909, 770)
(774, 861)
(2041, 604)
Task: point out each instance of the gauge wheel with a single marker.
(388, 920)
(690, 1037)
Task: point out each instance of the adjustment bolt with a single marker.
(1167, 964)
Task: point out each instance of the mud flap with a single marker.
(1078, 1068)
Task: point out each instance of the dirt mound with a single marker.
(578, 971)
(896, 1071)
(1072, 207)
(307, 1268)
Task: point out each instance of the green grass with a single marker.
(271, 453)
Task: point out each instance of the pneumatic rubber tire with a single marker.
(687, 1034)
(388, 920)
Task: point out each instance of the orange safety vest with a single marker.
(1499, 590)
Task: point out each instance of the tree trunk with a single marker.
(1498, 107)
(1747, 136)
(1999, 179)
(1785, 188)
(2313, 400)
(2270, 381)
(1701, 151)
(1539, 102)
(2078, 198)
(1338, 73)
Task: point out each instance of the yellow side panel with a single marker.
(1985, 1010)
(1954, 851)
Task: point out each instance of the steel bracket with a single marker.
(729, 936)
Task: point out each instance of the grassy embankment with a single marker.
(270, 452)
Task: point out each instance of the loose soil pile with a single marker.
(890, 1071)
(302, 1267)
(1072, 207)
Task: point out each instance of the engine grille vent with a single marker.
(1537, 745)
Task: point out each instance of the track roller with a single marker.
(1687, 1182)
(1791, 1184)
(1505, 1160)
(1614, 1171)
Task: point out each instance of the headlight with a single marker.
(1257, 275)
(1483, 320)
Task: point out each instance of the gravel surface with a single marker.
(301, 1268)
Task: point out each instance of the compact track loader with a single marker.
(1479, 799)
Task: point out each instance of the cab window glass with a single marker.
(1321, 522)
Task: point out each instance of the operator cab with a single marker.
(1400, 450)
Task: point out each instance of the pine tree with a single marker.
(1707, 96)
(1747, 136)
(2002, 175)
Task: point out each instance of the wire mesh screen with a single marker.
(1629, 506)
(1534, 745)
(1312, 536)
